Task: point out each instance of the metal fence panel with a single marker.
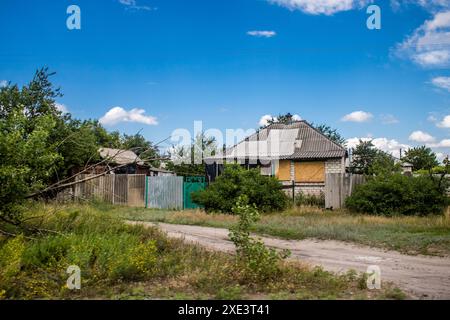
(165, 192)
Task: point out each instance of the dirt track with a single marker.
(421, 276)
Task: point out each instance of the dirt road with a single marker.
(422, 277)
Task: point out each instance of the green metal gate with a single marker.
(192, 184)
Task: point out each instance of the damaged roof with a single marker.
(295, 141)
(120, 157)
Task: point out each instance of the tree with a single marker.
(141, 146)
(422, 158)
(29, 157)
(190, 160)
(371, 161)
(331, 133)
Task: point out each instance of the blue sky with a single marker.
(159, 65)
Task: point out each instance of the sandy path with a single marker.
(421, 276)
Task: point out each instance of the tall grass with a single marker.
(122, 261)
(408, 234)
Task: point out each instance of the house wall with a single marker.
(313, 188)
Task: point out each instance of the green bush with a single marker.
(264, 192)
(257, 261)
(302, 199)
(399, 194)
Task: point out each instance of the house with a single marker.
(297, 154)
(118, 161)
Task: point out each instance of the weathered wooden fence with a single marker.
(165, 192)
(123, 189)
(159, 192)
(338, 186)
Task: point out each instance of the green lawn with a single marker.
(119, 261)
(412, 235)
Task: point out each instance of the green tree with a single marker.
(29, 157)
(142, 147)
(190, 160)
(422, 158)
(331, 133)
(364, 155)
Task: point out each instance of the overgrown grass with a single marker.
(413, 235)
(120, 261)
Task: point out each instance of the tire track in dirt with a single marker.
(423, 277)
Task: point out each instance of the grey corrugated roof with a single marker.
(119, 156)
(309, 143)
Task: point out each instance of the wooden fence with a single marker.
(122, 189)
(159, 192)
(339, 186)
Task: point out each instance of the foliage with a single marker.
(141, 146)
(429, 235)
(258, 261)
(262, 191)
(399, 194)
(331, 134)
(190, 160)
(369, 160)
(41, 145)
(29, 159)
(422, 158)
(120, 261)
(302, 199)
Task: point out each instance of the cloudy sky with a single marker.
(159, 65)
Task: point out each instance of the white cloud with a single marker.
(3, 83)
(389, 119)
(316, 7)
(264, 121)
(445, 123)
(357, 116)
(441, 144)
(441, 82)
(422, 137)
(132, 4)
(262, 33)
(61, 107)
(118, 114)
(429, 45)
(390, 146)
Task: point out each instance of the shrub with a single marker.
(257, 261)
(302, 199)
(398, 194)
(264, 192)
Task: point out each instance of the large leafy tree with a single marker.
(422, 158)
(28, 117)
(367, 159)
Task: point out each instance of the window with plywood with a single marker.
(312, 171)
(283, 172)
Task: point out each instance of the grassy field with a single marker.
(120, 261)
(412, 235)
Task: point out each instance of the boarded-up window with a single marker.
(310, 171)
(284, 170)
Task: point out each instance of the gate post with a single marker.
(146, 191)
